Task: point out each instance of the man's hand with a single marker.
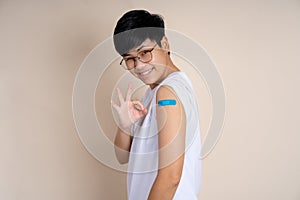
(128, 111)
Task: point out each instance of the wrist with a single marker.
(127, 129)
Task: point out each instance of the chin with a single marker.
(147, 82)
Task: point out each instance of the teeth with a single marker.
(146, 72)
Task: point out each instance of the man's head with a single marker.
(134, 27)
(139, 37)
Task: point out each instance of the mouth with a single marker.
(145, 73)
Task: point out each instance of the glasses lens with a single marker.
(145, 56)
(129, 64)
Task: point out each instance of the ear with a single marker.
(165, 44)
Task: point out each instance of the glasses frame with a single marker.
(138, 57)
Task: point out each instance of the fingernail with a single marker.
(137, 107)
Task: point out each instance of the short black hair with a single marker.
(134, 27)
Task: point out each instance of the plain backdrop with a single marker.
(255, 45)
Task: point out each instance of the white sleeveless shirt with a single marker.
(143, 159)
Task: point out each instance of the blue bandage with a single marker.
(166, 102)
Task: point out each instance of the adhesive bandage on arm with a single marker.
(166, 102)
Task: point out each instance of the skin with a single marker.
(171, 134)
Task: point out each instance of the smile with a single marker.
(145, 73)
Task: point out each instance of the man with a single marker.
(159, 136)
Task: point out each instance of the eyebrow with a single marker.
(140, 48)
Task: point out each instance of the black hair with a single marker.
(134, 27)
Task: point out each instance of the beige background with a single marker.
(255, 45)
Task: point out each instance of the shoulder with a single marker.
(176, 86)
(165, 92)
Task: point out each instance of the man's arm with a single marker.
(171, 139)
(122, 146)
(128, 114)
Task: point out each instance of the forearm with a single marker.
(122, 146)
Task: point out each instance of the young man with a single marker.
(159, 136)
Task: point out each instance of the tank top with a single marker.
(143, 159)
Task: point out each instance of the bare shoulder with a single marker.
(165, 92)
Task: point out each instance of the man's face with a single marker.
(154, 71)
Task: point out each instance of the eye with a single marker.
(128, 59)
(145, 52)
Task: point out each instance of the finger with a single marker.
(138, 105)
(145, 111)
(114, 105)
(129, 92)
(121, 99)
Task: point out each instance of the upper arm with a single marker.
(171, 121)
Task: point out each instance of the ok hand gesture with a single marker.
(128, 111)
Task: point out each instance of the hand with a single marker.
(128, 111)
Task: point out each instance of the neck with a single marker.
(170, 69)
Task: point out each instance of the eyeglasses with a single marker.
(144, 56)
